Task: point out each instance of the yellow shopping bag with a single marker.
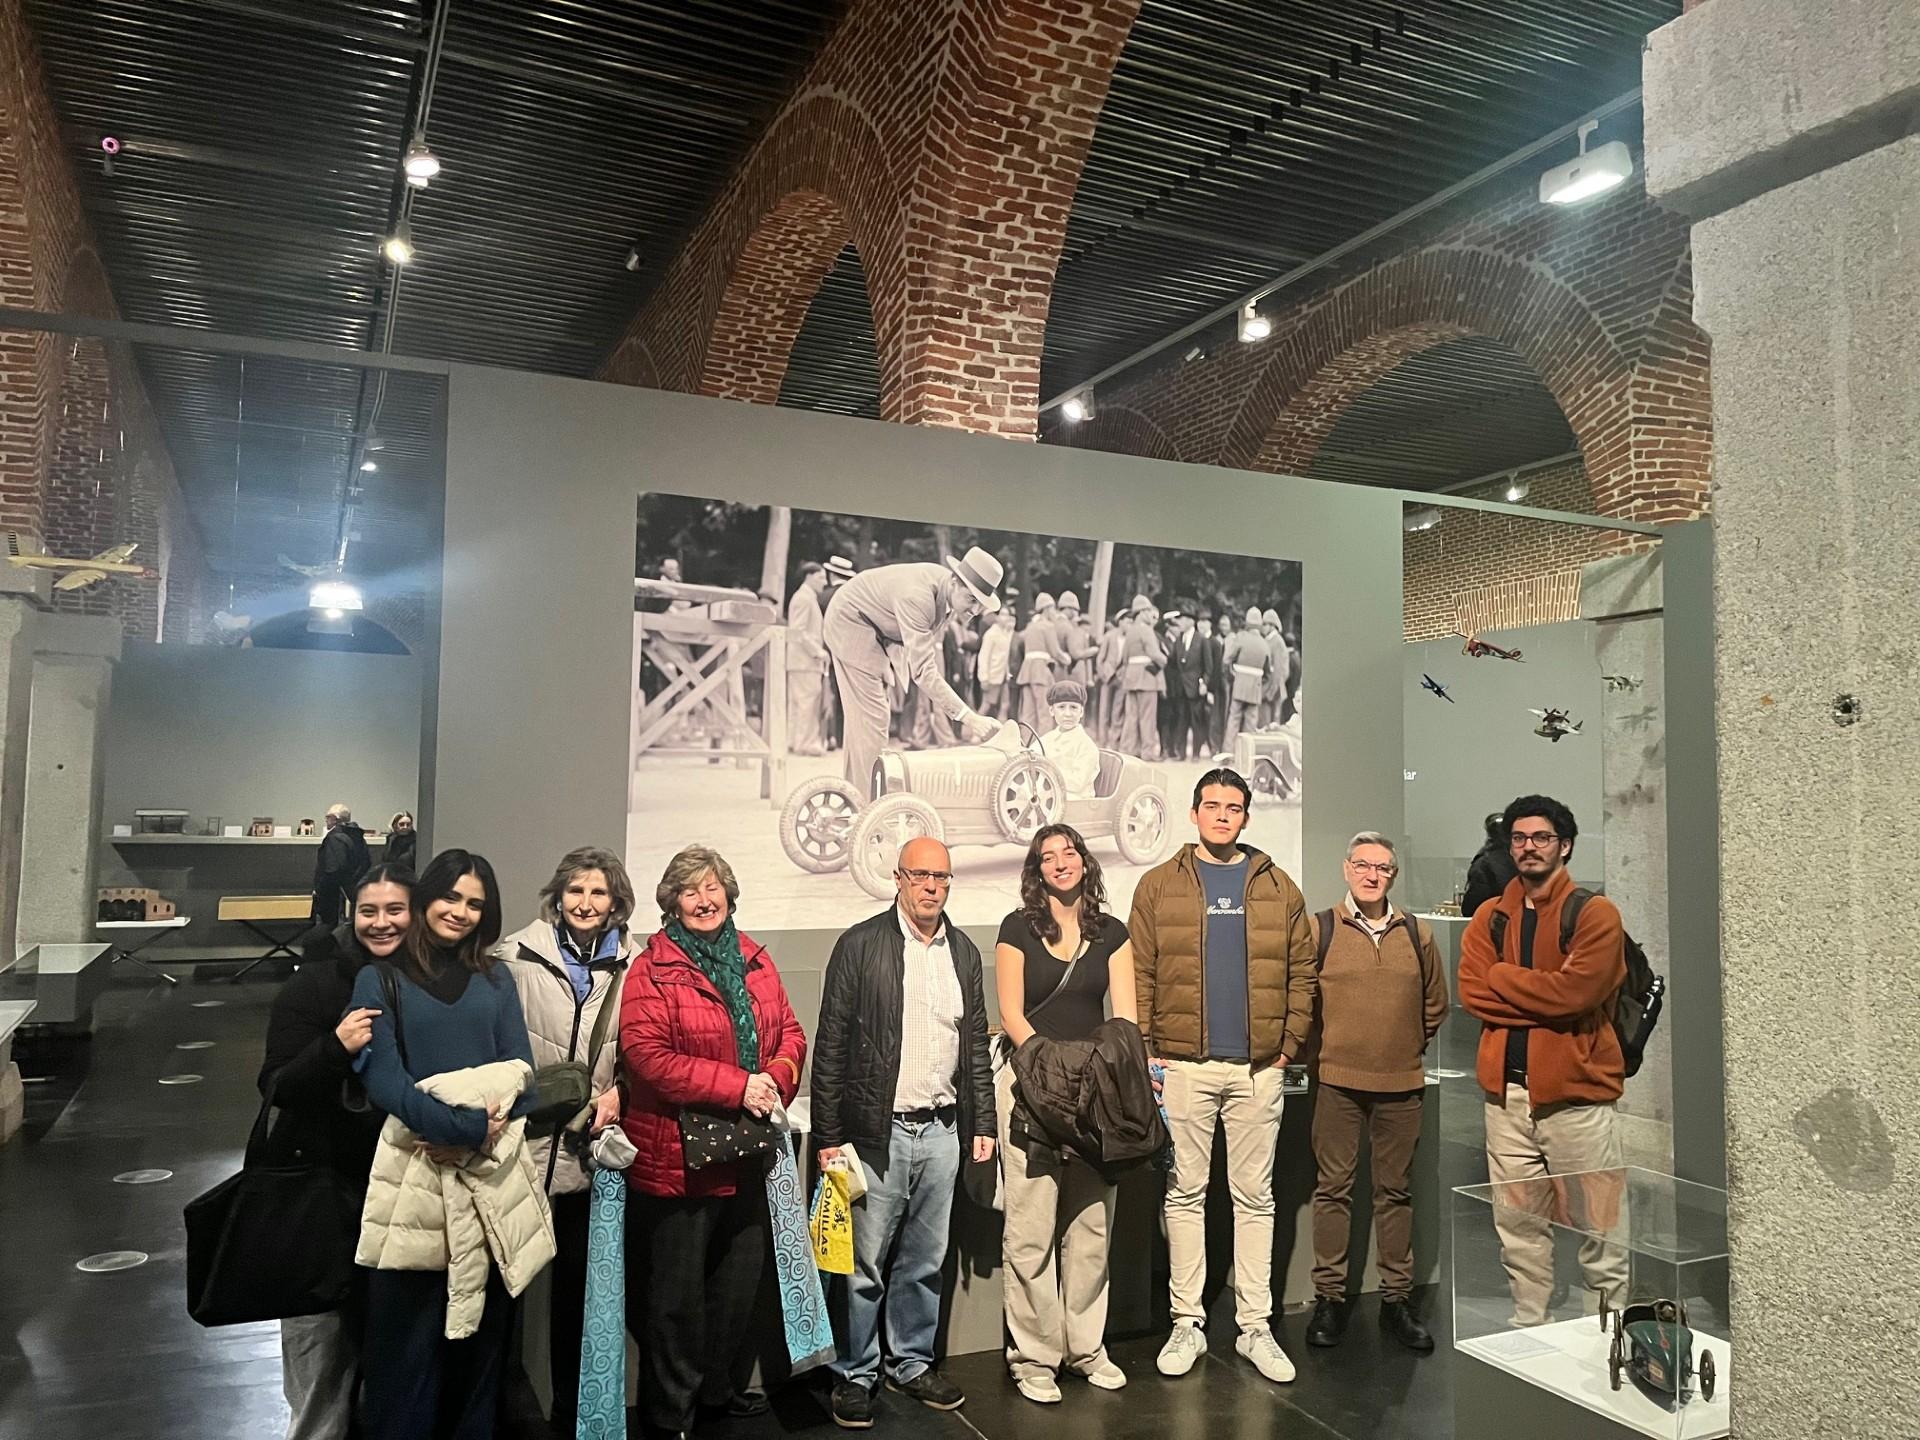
(832, 1224)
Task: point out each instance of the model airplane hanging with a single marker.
(1555, 725)
(1427, 682)
(80, 573)
(1617, 683)
(312, 572)
(1480, 649)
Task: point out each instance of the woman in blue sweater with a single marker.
(457, 1008)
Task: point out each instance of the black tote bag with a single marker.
(272, 1242)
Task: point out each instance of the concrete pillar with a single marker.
(21, 592)
(66, 736)
(1786, 130)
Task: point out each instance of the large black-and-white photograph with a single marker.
(812, 690)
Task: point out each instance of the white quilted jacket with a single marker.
(460, 1218)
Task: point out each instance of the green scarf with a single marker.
(718, 956)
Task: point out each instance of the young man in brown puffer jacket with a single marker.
(1383, 994)
(1223, 965)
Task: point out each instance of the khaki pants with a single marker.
(1526, 1149)
(1140, 725)
(1199, 1096)
(1054, 1245)
(1392, 1122)
(804, 713)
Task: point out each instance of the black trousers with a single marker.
(567, 1313)
(416, 1383)
(693, 1302)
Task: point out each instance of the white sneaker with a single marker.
(1042, 1389)
(1259, 1346)
(1186, 1344)
(1105, 1376)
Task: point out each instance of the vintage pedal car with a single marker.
(1000, 793)
(1650, 1341)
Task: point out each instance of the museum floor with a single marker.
(114, 1356)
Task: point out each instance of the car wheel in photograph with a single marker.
(817, 822)
(1706, 1374)
(878, 835)
(1028, 795)
(1268, 780)
(1140, 828)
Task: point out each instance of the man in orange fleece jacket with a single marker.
(1549, 1061)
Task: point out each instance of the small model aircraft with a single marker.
(1617, 683)
(80, 573)
(1555, 725)
(1479, 649)
(312, 572)
(1427, 682)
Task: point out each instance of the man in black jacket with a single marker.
(1491, 869)
(900, 1070)
(342, 860)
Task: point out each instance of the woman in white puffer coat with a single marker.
(571, 966)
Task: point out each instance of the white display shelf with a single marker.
(1569, 1359)
(229, 839)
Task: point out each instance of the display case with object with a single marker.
(261, 828)
(1596, 1305)
(159, 822)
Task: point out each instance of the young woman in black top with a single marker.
(1057, 1218)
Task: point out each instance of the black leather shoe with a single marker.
(1329, 1323)
(743, 1405)
(852, 1405)
(1399, 1321)
(931, 1389)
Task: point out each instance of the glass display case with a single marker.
(1604, 1288)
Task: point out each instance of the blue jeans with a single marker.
(914, 1201)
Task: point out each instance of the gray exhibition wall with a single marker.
(1476, 754)
(542, 477)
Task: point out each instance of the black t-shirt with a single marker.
(1517, 1038)
(1080, 1009)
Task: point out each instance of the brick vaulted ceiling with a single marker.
(257, 177)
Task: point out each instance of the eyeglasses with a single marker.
(921, 877)
(1367, 867)
(1545, 840)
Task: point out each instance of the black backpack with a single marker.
(1636, 1006)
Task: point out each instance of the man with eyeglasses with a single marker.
(1383, 994)
(1223, 968)
(1549, 1061)
(901, 1072)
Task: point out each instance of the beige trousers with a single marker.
(1200, 1096)
(1054, 1248)
(1536, 1159)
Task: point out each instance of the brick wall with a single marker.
(944, 139)
(83, 464)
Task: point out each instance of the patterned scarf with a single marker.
(718, 956)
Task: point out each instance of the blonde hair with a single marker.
(686, 870)
(578, 862)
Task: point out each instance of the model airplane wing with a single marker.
(119, 554)
(79, 579)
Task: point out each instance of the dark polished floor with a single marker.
(115, 1357)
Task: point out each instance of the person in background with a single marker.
(1549, 1061)
(996, 678)
(1141, 659)
(342, 859)
(1219, 680)
(1246, 660)
(1073, 639)
(402, 840)
(1039, 660)
(313, 1034)
(806, 662)
(570, 965)
(1067, 743)
(1107, 661)
(705, 1026)
(833, 722)
(1491, 870)
(1383, 995)
(1189, 659)
(458, 1010)
(902, 1072)
(1224, 967)
(1273, 693)
(1057, 1219)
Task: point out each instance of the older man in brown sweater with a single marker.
(1383, 994)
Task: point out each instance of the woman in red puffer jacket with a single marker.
(705, 1023)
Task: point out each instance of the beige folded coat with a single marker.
(421, 1215)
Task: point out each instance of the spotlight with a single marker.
(1193, 353)
(1516, 490)
(334, 612)
(368, 466)
(420, 163)
(633, 257)
(1424, 518)
(1254, 326)
(1078, 407)
(399, 245)
(1590, 173)
(373, 442)
(334, 596)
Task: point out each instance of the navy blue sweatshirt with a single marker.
(483, 1025)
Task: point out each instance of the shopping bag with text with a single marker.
(832, 1224)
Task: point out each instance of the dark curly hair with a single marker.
(1033, 888)
(1541, 807)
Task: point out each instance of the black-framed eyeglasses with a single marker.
(1368, 867)
(921, 877)
(1543, 841)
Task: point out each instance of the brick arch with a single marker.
(1340, 346)
(775, 277)
(1122, 430)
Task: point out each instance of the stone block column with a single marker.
(1789, 132)
(73, 665)
(21, 594)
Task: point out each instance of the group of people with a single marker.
(404, 1052)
